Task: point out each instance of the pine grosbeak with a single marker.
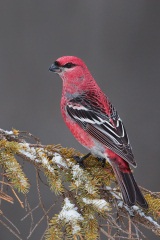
(95, 123)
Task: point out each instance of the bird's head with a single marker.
(67, 64)
(74, 73)
(69, 67)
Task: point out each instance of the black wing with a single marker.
(107, 129)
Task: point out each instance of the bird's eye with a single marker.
(69, 65)
(56, 63)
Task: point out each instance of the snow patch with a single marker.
(32, 154)
(8, 132)
(100, 204)
(70, 215)
(142, 214)
(80, 177)
(57, 158)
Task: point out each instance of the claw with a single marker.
(80, 160)
(103, 160)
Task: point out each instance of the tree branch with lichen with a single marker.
(91, 206)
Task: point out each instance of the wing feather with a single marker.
(108, 130)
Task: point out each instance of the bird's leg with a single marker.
(103, 160)
(80, 160)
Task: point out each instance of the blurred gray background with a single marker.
(119, 41)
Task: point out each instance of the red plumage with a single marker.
(95, 123)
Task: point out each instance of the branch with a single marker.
(88, 196)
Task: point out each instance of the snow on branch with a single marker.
(86, 193)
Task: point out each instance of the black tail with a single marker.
(129, 188)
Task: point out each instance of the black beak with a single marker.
(54, 68)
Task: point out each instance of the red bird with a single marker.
(95, 123)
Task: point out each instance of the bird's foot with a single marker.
(103, 160)
(80, 160)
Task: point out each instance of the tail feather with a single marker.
(126, 186)
(139, 196)
(129, 188)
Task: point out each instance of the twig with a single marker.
(39, 196)
(15, 234)
(30, 211)
(20, 202)
(30, 135)
(2, 187)
(6, 197)
(8, 184)
(129, 228)
(44, 233)
(138, 230)
(37, 224)
(106, 234)
(11, 223)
